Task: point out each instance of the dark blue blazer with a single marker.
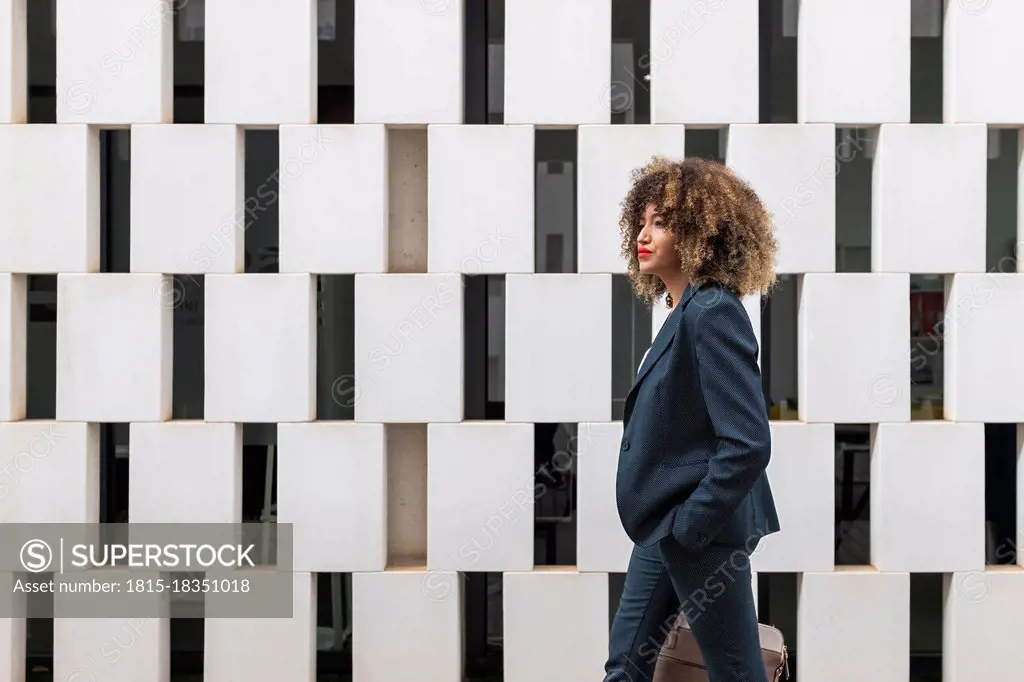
(696, 438)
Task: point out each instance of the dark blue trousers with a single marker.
(711, 588)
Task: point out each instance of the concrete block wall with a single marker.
(471, 483)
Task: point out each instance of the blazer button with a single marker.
(625, 445)
(702, 538)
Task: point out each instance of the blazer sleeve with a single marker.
(730, 380)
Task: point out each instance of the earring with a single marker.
(668, 300)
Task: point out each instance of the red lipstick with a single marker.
(643, 252)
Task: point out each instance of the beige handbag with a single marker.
(680, 659)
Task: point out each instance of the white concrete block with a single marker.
(114, 649)
(601, 543)
(332, 486)
(480, 497)
(929, 187)
(928, 497)
(853, 363)
(793, 169)
(558, 348)
(12, 641)
(49, 472)
(260, 348)
(982, 329)
(1008, 261)
(50, 188)
(13, 67)
(852, 77)
(187, 189)
(854, 624)
(115, 61)
(13, 330)
(162, 483)
(982, 621)
(334, 198)
(981, 43)
(114, 347)
(802, 475)
(409, 62)
(539, 608)
(607, 156)
(557, 55)
(425, 614)
(719, 32)
(261, 62)
(237, 648)
(408, 348)
(480, 206)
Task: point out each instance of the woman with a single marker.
(691, 487)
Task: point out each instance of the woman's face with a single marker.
(656, 245)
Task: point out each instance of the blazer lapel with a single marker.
(661, 343)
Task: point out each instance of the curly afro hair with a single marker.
(722, 230)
